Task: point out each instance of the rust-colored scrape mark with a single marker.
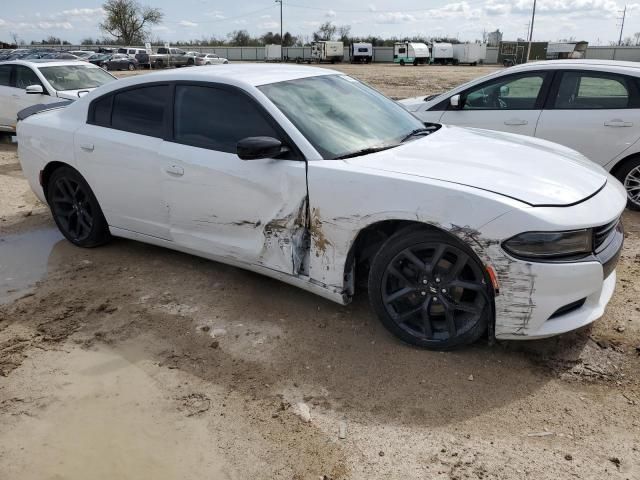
(317, 233)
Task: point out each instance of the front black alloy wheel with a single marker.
(430, 290)
(75, 209)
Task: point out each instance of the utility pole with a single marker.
(281, 36)
(624, 15)
(528, 27)
(533, 18)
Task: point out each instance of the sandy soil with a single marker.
(130, 361)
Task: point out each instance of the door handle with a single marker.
(515, 121)
(175, 170)
(87, 147)
(618, 123)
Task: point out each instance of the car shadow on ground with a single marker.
(270, 341)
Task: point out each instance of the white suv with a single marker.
(26, 83)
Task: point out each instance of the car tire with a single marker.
(402, 63)
(629, 175)
(104, 66)
(430, 290)
(131, 67)
(75, 209)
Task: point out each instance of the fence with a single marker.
(380, 54)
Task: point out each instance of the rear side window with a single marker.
(141, 111)
(5, 75)
(593, 91)
(217, 119)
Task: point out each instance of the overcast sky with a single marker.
(592, 20)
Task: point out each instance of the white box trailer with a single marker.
(272, 53)
(469, 53)
(325, 51)
(441, 53)
(361, 52)
(413, 53)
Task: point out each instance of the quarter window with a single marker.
(141, 110)
(519, 93)
(217, 119)
(579, 90)
(5, 75)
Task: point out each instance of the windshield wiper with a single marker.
(364, 151)
(416, 132)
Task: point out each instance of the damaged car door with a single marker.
(252, 211)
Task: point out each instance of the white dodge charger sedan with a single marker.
(592, 106)
(311, 177)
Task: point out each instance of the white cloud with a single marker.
(268, 25)
(2, 22)
(187, 23)
(394, 17)
(372, 7)
(330, 14)
(265, 16)
(217, 14)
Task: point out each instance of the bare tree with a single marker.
(14, 37)
(127, 20)
(343, 33)
(326, 31)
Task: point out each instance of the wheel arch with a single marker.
(47, 171)
(369, 239)
(623, 161)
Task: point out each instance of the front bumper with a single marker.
(537, 299)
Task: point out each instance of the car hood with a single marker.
(414, 103)
(533, 171)
(72, 94)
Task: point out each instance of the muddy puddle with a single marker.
(24, 259)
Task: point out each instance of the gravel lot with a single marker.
(130, 361)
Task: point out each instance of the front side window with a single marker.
(584, 90)
(519, 93)
(217, 119)
(75, 77)
(341, 116)
(26, 77)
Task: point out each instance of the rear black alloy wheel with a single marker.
(430, 290)
(75, 209)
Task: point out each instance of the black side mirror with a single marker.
(255, 148)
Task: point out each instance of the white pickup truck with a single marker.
(171, 57)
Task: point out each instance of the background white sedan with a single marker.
(210, 59)
(26, 83)
(592, 106)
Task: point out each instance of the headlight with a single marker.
(550, 245)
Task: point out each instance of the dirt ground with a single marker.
(130, 361)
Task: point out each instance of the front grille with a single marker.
(603, 235)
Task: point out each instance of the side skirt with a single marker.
(300, 281)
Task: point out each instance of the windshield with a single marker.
(341, 116)
(75, 77)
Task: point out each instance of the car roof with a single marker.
(576, 63)
(245, 73)
(45, 62)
